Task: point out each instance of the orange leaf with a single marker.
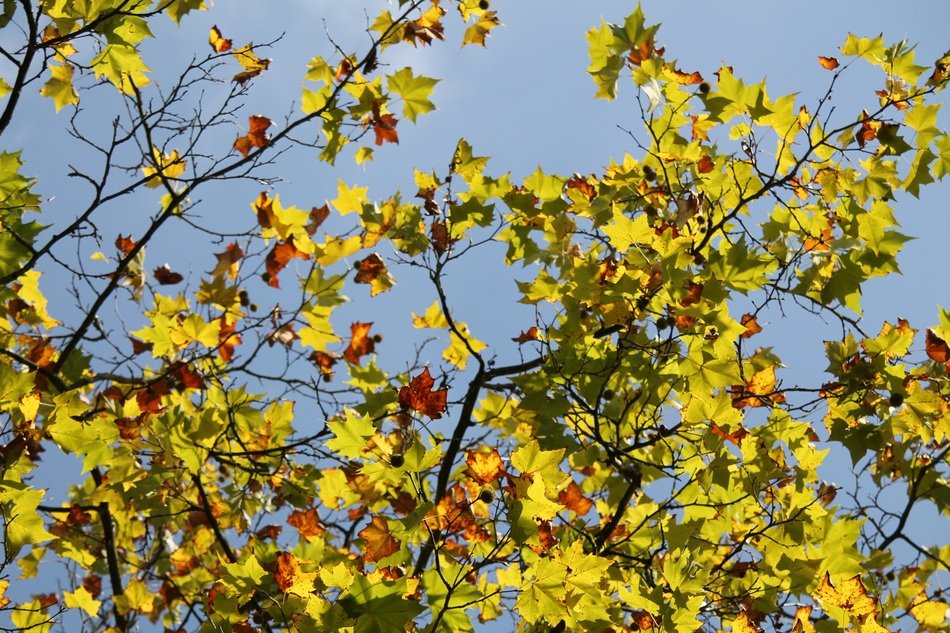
(379, 542)
(735, 437)
(217, 41)
(484, 467)
(693, 294)
(419, 396)
(125, 245)
(256, 135)
(580, 184)
(868, 131)
(227, 339)
(705, 165)
(752, 326)
(687, 79)
(531, 334)
(385, 128)
(287, 570)
(828, 63)
(574, 499)
(325, 362)
(165, 276)
(361, 343)
(307, 523)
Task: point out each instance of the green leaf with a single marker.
(351, 434)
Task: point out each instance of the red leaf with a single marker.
(361, 343)
(139, 347)
(419, 396)
(705, 165)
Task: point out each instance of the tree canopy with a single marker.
(630, 456)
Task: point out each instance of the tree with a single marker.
(627, 457)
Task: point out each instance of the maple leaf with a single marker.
(325, 362)
(278, 258)
(307, 523)
(372, 270)
(752, 326)
(531, 334)
(139, 347)
(687, 79)
(574, 500)
(317, 216)
(427, 27)
(705, 165)
(229, 261)
(693, 294)
(580, 184)
(290, 578)
(125, 245)
(256, 135)
(868, 131)
(378, 540)
(419, 396)
(849, 595)
(227, 339)
(384, 125)
(165, 276)
(828, 63)
(484, 467)
(735, 437)
(252, 64)
(150, 398)
(217, 41)
(361, 343)
(758, 391)
(937, 348)
(441, 241)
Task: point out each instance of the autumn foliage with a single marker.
(258, 440)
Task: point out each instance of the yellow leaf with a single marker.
(930, 613)
(742, 624)
(349, 199)
(59, 86)
(29, 405)
(82, 599)
(29, 291)
(169, 166)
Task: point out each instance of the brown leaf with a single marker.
(693, 294)
(419, 396)
(735, 437)
(165, 276)
(378, 540)
(441, 241)
(687, 79)
(228, 261)
(317, 216)
(256, 136)
(705, 165)
(325, 362)
(278, 258)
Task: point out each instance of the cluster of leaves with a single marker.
(626, 462)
